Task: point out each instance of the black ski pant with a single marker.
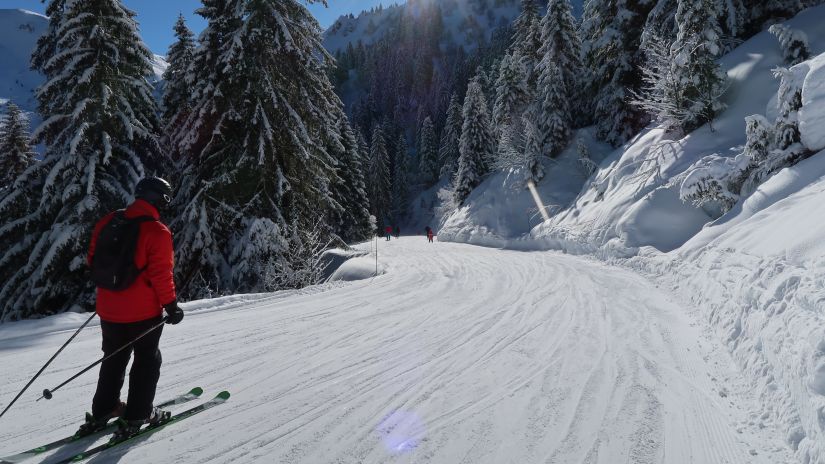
(144, 375)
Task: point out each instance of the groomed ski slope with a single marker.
(458, 354)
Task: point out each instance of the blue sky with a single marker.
(157, 17)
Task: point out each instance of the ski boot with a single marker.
(127, 429)
(94, 425)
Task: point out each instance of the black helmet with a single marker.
(155, 190)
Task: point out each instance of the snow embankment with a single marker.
(758, 277)
(812, 114)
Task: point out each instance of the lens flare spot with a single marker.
(401, 432)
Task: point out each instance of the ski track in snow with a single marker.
(458, 354)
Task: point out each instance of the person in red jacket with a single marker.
(388, 232)
(128, 313)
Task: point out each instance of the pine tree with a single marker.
(401, 190)
(512, 93)
(378, 183)
(16, 152)
(552, 113)
(612, 35)
(523, 27)
(476, 143)
(177, 93)
(561, 47)
(428, 153)
(351, 221)
(100, 131)
(699, 81)
(448, 147)
(532, 145)
(257, 143)
(794, 43)
(47, 43)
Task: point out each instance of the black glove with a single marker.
(173, 312)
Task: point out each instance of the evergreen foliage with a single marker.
(176, 94)
(401, 181)
(258, 144)
(378, 180)
(476, 143)
(100, 131)
(794, 43)
(428, 167)
(552, 112)
(612, 37)
(448, 152)
(16, 152)
(512, 92)
(351, 221)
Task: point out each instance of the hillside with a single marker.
(465, 21)
(19, 31)
(754, 272)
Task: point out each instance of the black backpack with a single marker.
(113, 264)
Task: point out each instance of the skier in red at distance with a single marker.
(430, 234)
(388, 231)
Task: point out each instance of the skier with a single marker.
(388, 231)
(397, 232)
(429, 234)
(128, 312)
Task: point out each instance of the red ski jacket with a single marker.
(155, 286)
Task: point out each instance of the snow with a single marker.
(755, 274)
(812, 113)
(497, 356)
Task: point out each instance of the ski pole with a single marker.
(47, 363)
(47, 393)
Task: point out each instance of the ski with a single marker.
(220, 399)
(192, 394)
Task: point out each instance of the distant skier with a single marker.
(388, 231)
(430, 234)
(397, 232)
(131, 298)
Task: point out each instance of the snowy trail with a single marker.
(457, 355)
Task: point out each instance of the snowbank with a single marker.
(812, 114)
(758, 277)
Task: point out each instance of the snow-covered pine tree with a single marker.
(523, 27)
(16, 152)
(401, 184)
(586, 165)
(47, 43)
(794, 43)
(699, 81)
(448, 147)
(378, 176)
(611, 38)
(176, 93)
(351, 221)
(100, 130)
(264, 117)
(789, 102)
(532, 145)
(512, 93)
(428, 167)
(476, 143)
(561, 47)
(552, 110)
